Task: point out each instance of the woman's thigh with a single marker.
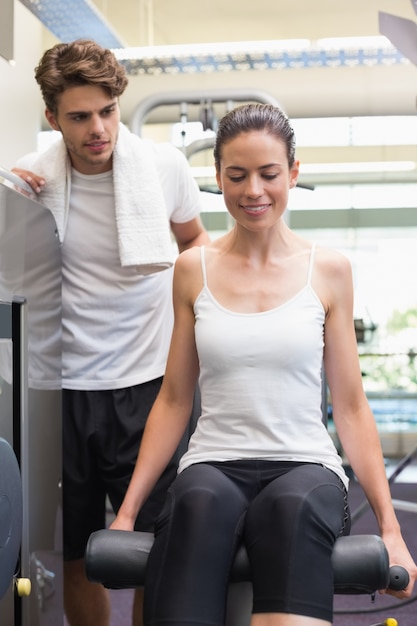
(195, 542)
(290, 530)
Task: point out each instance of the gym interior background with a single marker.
(352, 96)
(350, 92)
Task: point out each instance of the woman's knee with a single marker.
(290, 531)
(310, 496)
(202, 495)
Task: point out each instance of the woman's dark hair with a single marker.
(250, 117)
(81, 62)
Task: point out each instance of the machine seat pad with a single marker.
(117, 559)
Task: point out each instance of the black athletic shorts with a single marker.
(102, 431)
(288, 515)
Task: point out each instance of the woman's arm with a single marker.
(354, 421)
(172, 408)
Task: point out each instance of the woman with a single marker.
(257, 313)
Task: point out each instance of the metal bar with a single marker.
(402, 465)
(194, 97)
(405, 505)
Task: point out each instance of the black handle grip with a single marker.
(398, 578)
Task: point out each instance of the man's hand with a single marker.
(36, 182)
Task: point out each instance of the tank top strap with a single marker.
(311, 263)
(203, 265)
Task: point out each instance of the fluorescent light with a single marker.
(72, 19)
(352, 43)
(330, 168)
(358, 167)
(259, 55)
(251, 47)
(219, 48)
(204, 172)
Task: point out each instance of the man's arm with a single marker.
(189, 234)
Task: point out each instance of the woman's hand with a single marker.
(121, 523)
(36, 182)
(399, 555)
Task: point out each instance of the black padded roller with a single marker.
(117, 559)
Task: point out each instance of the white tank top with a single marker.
(261, 382)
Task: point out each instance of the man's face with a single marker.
(89, 122)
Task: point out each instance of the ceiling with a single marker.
(360, 88)
(163, 22)
(367, 86)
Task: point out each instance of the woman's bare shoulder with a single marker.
(192, 257)
(188, 258)
(332, 262)
(188, 276)
(332, 277)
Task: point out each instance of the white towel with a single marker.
(142, 223)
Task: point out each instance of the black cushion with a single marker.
(117, 559)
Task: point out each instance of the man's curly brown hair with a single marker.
(81, 62)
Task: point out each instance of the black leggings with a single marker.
(288, 515)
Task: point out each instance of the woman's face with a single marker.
(255, 178)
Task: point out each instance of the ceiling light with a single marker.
(358, 167)
(259, 55)
(330, 168)
(353, 43)
(210, 49)
(74, 19)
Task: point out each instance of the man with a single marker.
(115, 199)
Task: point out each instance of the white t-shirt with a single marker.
(117, 324)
